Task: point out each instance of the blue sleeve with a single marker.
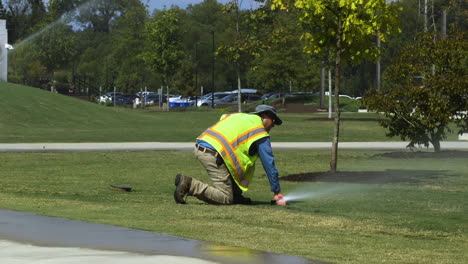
(268, 161)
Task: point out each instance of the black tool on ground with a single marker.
(121, 187)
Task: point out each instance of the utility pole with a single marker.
(322, 86)
(329, 94)
(428, 17)
(239, 86)
(427, 10)
(444, 23)
(425, 15)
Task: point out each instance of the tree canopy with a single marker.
(426, 91)
(107, 44)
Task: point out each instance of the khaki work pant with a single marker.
(223, 190)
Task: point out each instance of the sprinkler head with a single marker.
(279, 202)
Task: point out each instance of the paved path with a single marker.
(50, 234)
(185, 146)
(77, 238)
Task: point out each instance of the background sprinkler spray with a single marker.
(66, 18)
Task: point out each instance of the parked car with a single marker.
(273, 96)
(207, 99)
(245, 98)
(149, 99)
(246, 91)
(108, 97)
(123, 100)
(140, 94)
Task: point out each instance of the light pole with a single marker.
(197, 66)
(213, 70)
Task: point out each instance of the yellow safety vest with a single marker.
(232, 137)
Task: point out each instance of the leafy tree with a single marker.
(36, 70)
(126, 46)
(418, 104)
(99, 14)
(56, 47)
(184, 79)
(95, 62)
(3, 11)
(57, 8)
(111, 39)
(283, 63)
(205, 18)
(346, 28)
(24, 65)
(249, 39)
(164, 53)
(37, 13)
(457, 13)
(17, 19)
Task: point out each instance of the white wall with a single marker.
(3, 51)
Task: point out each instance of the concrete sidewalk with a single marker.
(30, 238)
(188, 146)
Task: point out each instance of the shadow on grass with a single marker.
(270, 203)
(367, 177)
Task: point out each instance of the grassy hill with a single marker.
(34, 115)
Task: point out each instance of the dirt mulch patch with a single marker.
(297, 108)
(341, 119)
(366, 177)
(446, 154)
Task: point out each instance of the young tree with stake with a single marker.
(347, 28)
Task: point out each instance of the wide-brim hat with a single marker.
(266, 108)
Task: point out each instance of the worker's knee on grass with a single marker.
(223, 198)
(216, 196)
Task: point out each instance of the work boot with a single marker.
(182, 184)
(239, 199)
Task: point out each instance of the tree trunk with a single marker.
(436, 144)
(435, 140)
(336, 131)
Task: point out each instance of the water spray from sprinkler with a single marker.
(308, 194)
(66, 18)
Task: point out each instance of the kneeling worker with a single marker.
(228, 151)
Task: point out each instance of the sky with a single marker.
(159, 4)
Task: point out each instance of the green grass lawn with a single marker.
(423, 220)
(34, 115)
